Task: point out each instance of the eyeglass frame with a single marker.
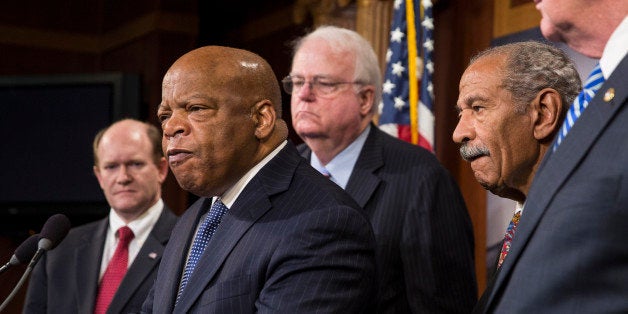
(315, 85)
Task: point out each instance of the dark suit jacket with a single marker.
(66, 278)
(423, 231)
(293, 242)
(569, 254)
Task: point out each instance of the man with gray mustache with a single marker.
(512, 101)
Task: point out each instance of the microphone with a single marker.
(53, 231)
(23, 253)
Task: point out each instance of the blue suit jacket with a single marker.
(569, 254)
(293, 242)
(425, 244)
(66, 278)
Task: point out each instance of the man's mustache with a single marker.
(470, 153)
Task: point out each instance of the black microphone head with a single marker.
(53, 231)
(26, 250)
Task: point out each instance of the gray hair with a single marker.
(532, 66)
(350, 42)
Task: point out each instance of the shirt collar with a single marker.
(341, 166)
(230, 196)
(140, 226)
(615, 49)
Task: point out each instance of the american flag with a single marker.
(406, 111)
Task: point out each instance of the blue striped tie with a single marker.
(593, 83)
(201, 239)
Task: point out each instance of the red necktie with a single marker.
(115, 271)
(510, 233)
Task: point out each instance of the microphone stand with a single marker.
(20, 283)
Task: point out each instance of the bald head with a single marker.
(130, 129)
(129, 167)
(220, 114)
(240, 71)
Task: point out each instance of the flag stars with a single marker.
(388, 87)
(399, 103)
(396, 35)
(389, 54)
(397, 68)
(426, 3)
(429, 45)
(428, 23)
(397, 4)
(430, 67)
(430, 90)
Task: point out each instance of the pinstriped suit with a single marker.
(293, 242)
(569, 254)
(66, 279)
(424, 233)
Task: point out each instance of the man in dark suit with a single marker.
(285, 239)
(569, 254)
(423, 231)
(130, 168)
(512, 101)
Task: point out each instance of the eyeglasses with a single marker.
(320, 86)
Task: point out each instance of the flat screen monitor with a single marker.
(48, 124)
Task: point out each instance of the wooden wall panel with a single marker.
(513, 16)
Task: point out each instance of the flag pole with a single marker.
(412, 75)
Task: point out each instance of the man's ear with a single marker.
(264, 115)
(97, 174)
(366, 95)
(548, 114)
(162, 165)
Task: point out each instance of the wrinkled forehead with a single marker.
(206, 76)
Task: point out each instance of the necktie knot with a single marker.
(125, 235)
(326, 173)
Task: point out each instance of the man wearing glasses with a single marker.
(423, 231)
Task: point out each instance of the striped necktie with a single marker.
(592, 84)
(201, 239)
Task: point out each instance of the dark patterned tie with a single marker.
(326, 173)
(201, 239)
(115, 271)
(510, 233)
(593, 83)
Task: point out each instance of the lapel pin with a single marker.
(609, 95)
(152, 255)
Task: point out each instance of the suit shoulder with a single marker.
(84, 229)
(309, 184)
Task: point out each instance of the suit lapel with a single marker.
(146, 260)
(250, 205)
(557, 167)
(363, 181)
(172, 264)
(88, 258)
